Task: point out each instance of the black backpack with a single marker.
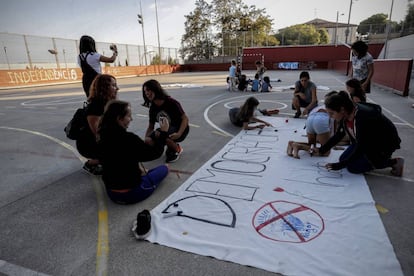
(77, 124)
(89, 73)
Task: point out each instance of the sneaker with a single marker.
(141, 227)
(174, 156)
(398, 167)
(93, 169)
(297, 114)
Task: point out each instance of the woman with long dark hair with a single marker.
(373, 137)
(161, 105)
(125, 178)
(90, 61)
(242, 116)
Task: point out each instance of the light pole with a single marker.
(388, 31)
(349, 19)
(64, 58)
(158, 34)
(7, 58)
(336, 28)
(141, 21)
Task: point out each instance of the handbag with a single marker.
(78, 123)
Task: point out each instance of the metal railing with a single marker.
(30, 52)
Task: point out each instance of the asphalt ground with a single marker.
(56, 218)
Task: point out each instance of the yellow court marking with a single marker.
(381, 208)
(102, 250)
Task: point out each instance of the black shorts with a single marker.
(303, 103)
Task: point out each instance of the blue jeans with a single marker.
(361, 164)
(149, 183)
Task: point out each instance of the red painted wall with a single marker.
(320, 55)
(395, 74)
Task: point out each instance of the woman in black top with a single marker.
(353, 86)
(126, 180)
(373, 136)
(242, 116)
(104, 88)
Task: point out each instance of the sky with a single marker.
(116, 21)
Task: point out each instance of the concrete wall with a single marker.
(37, 77)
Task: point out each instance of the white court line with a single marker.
(15, 270)
(213, 125)
(102, 247)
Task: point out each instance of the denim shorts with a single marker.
(317, 123)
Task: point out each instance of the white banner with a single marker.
(254, 205)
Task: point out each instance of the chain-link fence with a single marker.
(30, 52)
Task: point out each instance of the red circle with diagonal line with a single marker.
(287, 222)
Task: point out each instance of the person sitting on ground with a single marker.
(125, 178)
(255, 83)
(164, 106)
(228, 83)
(374, 138)
(103, 89)
(354, 88)
(319, 128)
(304, 95)
(243, 83)
(238, 72)
(242, 116)
(266, 86)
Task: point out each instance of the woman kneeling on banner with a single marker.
(319, 128)
(373, 136)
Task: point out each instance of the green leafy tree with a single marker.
(197, 43)
(156, 60)
(224, 28)
(408, 23)
(240, 26)
(373, 24)
(301, 34)
(323, 36)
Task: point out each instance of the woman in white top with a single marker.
(90, 61)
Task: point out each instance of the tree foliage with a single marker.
(303, 34)
(197, 43)
(373, 24)
(224, 28)
(408, 23)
